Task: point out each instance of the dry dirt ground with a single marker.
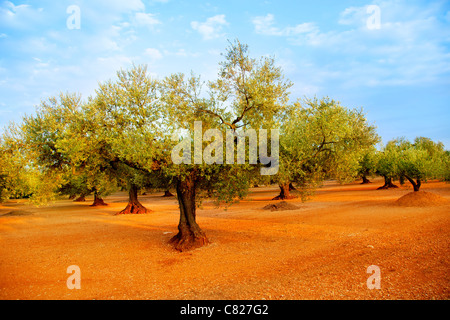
(319, 251)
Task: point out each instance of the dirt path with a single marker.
(320, 251)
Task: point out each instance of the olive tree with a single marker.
(248, 94)
(421, 160)
(18, 177)
(414, 161)
(320, 139)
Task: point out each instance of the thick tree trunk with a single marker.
(284, 193)
(134, 206)
(365, 180)
(167, 193)
(291, 187)
(98, 201)
(189, 235)
(387, 184)
(416, 185)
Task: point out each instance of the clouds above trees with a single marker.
(212, 28)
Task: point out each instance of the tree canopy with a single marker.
(420, 160)
(414, 161)
(321, 139)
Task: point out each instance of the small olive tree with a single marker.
(421, 160)
(320, 139)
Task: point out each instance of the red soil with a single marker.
(421, 199)
(321, 250)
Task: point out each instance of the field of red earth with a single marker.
(321, 250)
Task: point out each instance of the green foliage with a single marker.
(42, 132)
(367, 163)
(248, 93)
(108, 140)
(20, 177)
(446, 166)
(255, 90)
(322, 139)
(387, 160)
(15, 175)
(57, 142)
(420, 160)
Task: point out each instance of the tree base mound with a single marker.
(133, 208)
(188, 240)
(98, 202)
(283, 205)
(421, 199)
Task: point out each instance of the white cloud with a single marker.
(264, 25)
(181, 53)
(146, 19)
(20, 16)
(211, 28)
(121, 6)
(409, 47)
(353, 16)
(107, 44)
(153, 53)
(13, 9)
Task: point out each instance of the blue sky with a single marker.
(392, 58)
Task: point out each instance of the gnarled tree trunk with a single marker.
(416, 185)
(284, 192)
(189, 235)
(134, 206)
(387, 184)
(365, 180)
(98, 201)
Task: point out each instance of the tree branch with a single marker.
(232, 126)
